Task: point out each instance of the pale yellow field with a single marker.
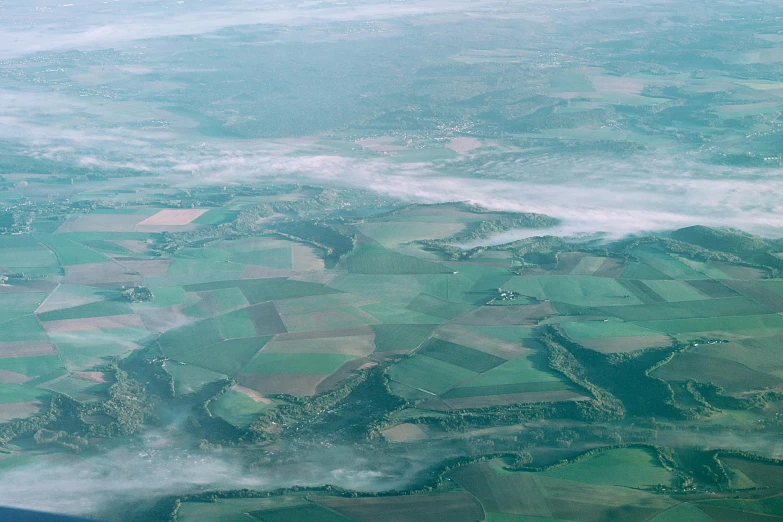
(26, 349)
(98, 377)
(18, 410)
(251, 394)
(173, 217)
(8, 377)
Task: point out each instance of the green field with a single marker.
(25, 328)
(471, 285)
(520, 370)
(627, 467)
(601, 329)
(271, 257)
(302, 363)
(732, 306)
(260, 290)
(180, 341)
(237, 408)
(31, 366)
(637, 270)
(432, 375)
(34, 256)
(190, 271)
(190, 379)
(774, 285)
(235, 324)
(226, 357)
(518, 388)
(69, 252)
(78, 389)
(215, 216)
(20, 393)
(673, 291)
(462, 356)
(303, 513)
(88, 311)
(233, 510)
(578, 290)
(430, 305)
(759, 325)
(17, 305)
(682, 512)
(393, 233)
(104, 246)
(728, 374)
(667, 264)
(400, 337)
(164, 296)
(397, 290)
(206, 304)
(514, 334)
(391, 314)
(374, 259)
(546, 497)
(264, 318)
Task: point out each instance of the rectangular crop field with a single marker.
(730, 306)
(454, 507)
(99, 309)
(627, 467)
(578, 290)
(506, 316)
(227, 357)
(673, 291)
(459, 355)
(522, 370)
(730, 375)
(400, 337)
(391, 314)
(431, 305)
(667, 264)
(173, 217)
(69, 252)
(260, 290)
(240, 409)
(759, 325)
(236, 324)
(428, 374)
(302, 363)
(601, 329)
(398, 290)
(353, 345)
(374, 259)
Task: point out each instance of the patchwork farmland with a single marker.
(526, 357)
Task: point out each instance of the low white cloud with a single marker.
(164, 462)
(96, 24)
(648, 192)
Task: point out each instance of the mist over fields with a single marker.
(160, 463)
(647, 120)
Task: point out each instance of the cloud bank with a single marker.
(162, 464)
(96, 24)
(647, 193)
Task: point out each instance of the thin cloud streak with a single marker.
(88, 27)
(647, 193)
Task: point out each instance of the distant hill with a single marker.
(730, 241)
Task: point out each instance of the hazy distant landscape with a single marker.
(392, 261)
